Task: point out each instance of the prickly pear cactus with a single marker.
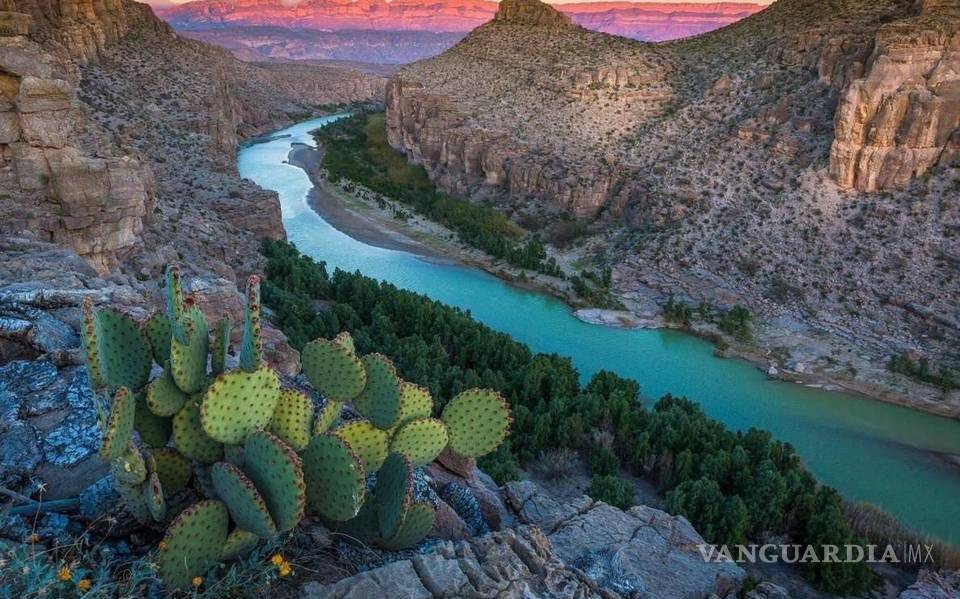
(173, 469)
(417, 524)
(420, 440)
(292, 419)
(251, 346)
(238, 403)
(188, 351)
(221, 345)
(243, 500)
(277, 473)
(164, 397)
(327, 416)
(193, 543)
(122, 353)
(129, 467)
(477, 421)
(158, 333)
(334, 477)
(333, 370)
(380, 399)
(119, 428)
(90, 347)
(190, 438)
(153, 430)
(415, 402)
(154, 498)
(393, 494)
(239, 543)
(369, 442)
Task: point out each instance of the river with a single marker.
(868, 450)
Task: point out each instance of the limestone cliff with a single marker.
(96, 97)
(901, 117)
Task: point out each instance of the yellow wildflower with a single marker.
(162, 545)
(197, 581)
(64, 574)
(84, 585)
(285, 569)
(276, 560)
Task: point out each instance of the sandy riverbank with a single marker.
(364, 220)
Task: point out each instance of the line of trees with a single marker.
(733, 486)
(357, 150)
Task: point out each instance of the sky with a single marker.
(168, 2)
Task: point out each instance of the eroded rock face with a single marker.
(55, 190)
(901, 117)
(934, 585)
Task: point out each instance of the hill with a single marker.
(800, 162)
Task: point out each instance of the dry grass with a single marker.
(880, 528)
(557, 464)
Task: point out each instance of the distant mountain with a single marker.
(641, 20)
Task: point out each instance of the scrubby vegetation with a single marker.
(736, 322)
(920, 370)
(732, 485)
(358, 151)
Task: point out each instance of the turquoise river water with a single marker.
(868, 450)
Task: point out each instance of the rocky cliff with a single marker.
(901, 118)
(96, 96)
(737, 167)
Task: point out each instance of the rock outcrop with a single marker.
(934, 585)
(54, 189)
(739, 167)
(575, 549)
(532, 13)
(901, 118)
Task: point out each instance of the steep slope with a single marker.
(98, 100)
(720, 168)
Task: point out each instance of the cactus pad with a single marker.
(238, 403)
(154, 430)
(292, 419)
(477, 421)
(89, 338)
(119, 428)
(251, 346)
(333, 370)
(393, 493)
(345, 340)
(129, 468)
(380, 399)
(193, 543)
(173, 468)
(239, 543)
(335, 478)
(420, 440)
(363, 526)
(221, 346)
(277, 473)
(133, 501)
(244, 502)
(190, 438)
(188, 355)
(158, 333)
(416, 525)
(327, 415)
(369, 442)
(174, 292)
(123, 350)
(164, 398)
(415, 403)
(153, 497)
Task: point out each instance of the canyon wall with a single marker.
(902, 117)
(52, 188)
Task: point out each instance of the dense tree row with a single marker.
(357, 150)
(733, 486)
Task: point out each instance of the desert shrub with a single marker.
(603, 462)
(610, 489)
(557, 464)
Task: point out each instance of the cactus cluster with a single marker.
(251, 454)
